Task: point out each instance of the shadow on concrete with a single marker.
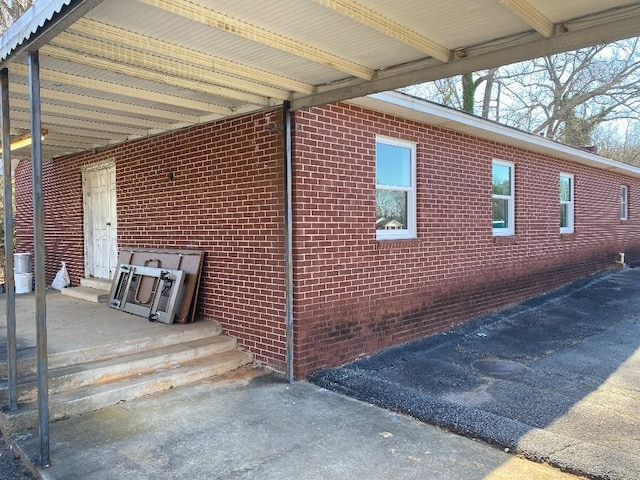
(556, 378)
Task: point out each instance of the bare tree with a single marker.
(619, 141)
(469, 87)
(565, 97)
(458, 92)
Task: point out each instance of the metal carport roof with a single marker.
(114, 70)
(111, 70)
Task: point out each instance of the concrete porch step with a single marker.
(94, 397)
(88, 294)
(112, 369)
(97, 283)
(94, 290)
(98, 356)
(173, 335)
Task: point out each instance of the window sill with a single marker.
(397, 243)
(568, 236)
(505, 239)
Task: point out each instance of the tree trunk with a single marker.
(468, 91)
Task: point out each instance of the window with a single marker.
(395, 189)
(503, 204)
(566, 203)
(624, 202)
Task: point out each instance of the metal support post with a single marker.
(39, 266)
(9, 280)
(288, 240)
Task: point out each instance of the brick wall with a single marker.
(219, 188)
(216, 187)
(64, 238)
(356, 295)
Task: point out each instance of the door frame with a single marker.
(87, 218)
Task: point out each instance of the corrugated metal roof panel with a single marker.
(453, 23)
(182, 31)
(185, 61)
(89, 73)
(559, 12)
(35, 17)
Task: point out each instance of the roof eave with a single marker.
(40, 23)
(421, 110)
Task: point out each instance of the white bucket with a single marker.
(23, 282)
(22, 262)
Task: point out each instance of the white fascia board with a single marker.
(414, 108)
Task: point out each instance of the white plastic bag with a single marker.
(62, 279)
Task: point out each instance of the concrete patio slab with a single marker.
(253, 426)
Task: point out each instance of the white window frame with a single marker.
(570, 211)
(624, 202)
(410, 231)
(510, 230)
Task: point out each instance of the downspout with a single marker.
(288, 239)
(9, 281)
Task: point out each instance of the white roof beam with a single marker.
(87, 101)
(118, 89)
(90, 123)
(67, 141)
(601, 28)
(99, 136)
(218, 20)
(75, 140)
(52, 151)
(114, 58)
(160, 47)
(113, 66)
(373, 19)
(113, 118)
(531, 15)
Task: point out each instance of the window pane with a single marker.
(564, 215)
(565, 189)
(393, 165)
(391, 210)
(501, 179)
(500, 213)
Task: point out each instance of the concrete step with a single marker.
(172, 335)
(88, 294)
(97, 283)
(80, 375)
(90, 378)
(94, 397)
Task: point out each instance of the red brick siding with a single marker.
(63, 216)
(355, 295)
(219, 187)
(215, 187)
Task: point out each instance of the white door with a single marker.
(100, 220)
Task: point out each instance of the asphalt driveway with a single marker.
(556, 378)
